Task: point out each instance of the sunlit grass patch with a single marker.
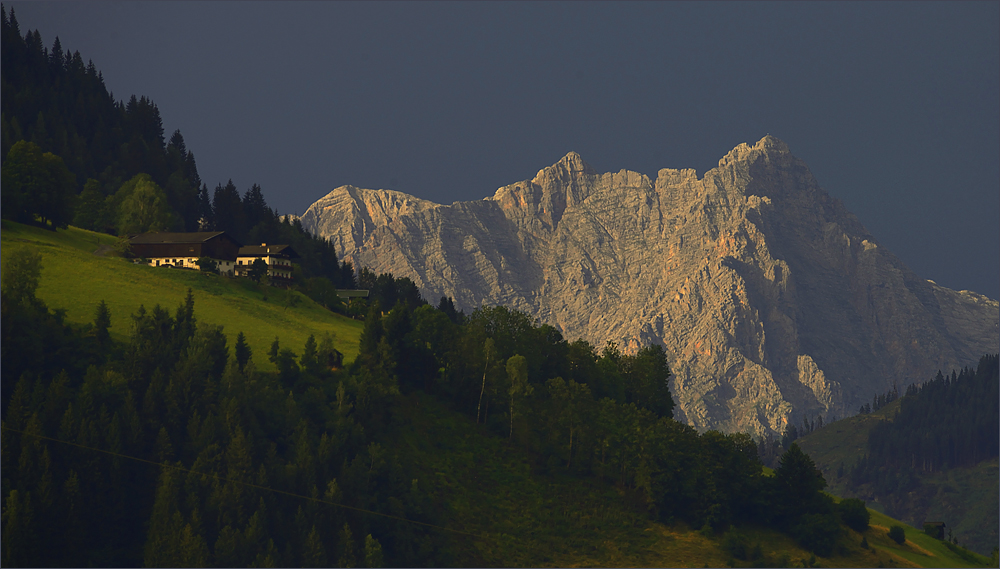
(76, 280)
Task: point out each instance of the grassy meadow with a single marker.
(75, 279)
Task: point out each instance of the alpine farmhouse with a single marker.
(182, 250)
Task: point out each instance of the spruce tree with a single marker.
(242, 351)
(102, 321)
(799, 486)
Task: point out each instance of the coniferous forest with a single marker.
(171, 449)
(948, 422)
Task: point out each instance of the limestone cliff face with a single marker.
(769, 297)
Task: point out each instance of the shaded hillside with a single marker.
(168, 449)
(771, 300)
(918, 458)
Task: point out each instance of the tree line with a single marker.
(950, 421)
(595, 413)
(56, 105)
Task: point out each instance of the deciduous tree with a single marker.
(572, 401)
(37, 184)
(517, 373)
(142, 206)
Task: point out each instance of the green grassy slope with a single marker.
(75, 279)
(526, 518)
(966, 499)
(842, 442)
(920, 548)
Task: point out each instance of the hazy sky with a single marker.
(894, 106)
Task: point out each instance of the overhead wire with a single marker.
(249, 484)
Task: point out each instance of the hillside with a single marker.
(770, 298)
(528, 518)
(965, 498)
(501, 504)
(79, 271)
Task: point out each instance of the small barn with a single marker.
(184, 249)
(934, 529)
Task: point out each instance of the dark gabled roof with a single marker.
(189, 237)
(261, 250)
(352, 293)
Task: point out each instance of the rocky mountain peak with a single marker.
(573, 162)
(772, 144)
(770, 147)
(771, 300)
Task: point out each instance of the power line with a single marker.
(251, 485)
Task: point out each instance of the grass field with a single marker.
(76, 280)
(919, 548)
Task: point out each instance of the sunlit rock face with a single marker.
(771, 300)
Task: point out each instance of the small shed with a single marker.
(352, 293)
(934, 529)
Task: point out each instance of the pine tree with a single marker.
(799, 485)
(314, 554)
(102, 321)
(19, 531)
(206, 219)
(242, 351)
(309, 360)
(255, 207)
(227, 208)
(346, 558)
(56, 56)
(166, 526)
(373, 552)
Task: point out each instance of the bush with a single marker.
(208, 265)
(897, 534)
(737, 545)
(817, 533)
(123, 245)
(258, 270)
(854, 514)
(964, 553)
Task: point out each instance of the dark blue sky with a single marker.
(894, 106)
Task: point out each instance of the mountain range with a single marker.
(771, 300)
